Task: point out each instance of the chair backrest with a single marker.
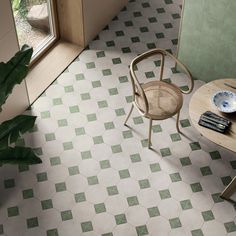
(136, 85)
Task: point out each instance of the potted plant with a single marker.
(11, 73)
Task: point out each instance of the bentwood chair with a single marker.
(157, 100)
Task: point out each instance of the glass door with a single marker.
(35, 22)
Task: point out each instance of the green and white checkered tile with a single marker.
(98, 177)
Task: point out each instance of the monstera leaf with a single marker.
(13, 72)
(18, 155)
(11, 130)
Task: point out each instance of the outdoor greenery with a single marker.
(11, 73)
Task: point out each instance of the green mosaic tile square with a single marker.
(233, 164)
(164, 194)
(132, 201)
(80, 76)
(216, 197)
(123, 79)
(68, 146)
(45, 114)
(9, 183)
(38, 151)
(137, 14)
(55, 161)
(28, 193)
(100, 54)
(165, 152)
(215, 155)
(107, 234)
(86, 155)
(175, 177)
(175, 16)
(155, 167)
(160, 35)
(151, 45)
(113, 91)
(127, 134)
(149, 74)
(85, 96)
(120, 112)
(96, 84)
(62, 123)
(126, 50)
(175, 223)
(197, 232)
(69, 89)
(226, 180)
(153, 211)
(185, 123)
(120, 33)
(196, 187)
(156, 128)
(144, 143)
(135, 39)
(186, 204)
(116, 61)
(152, 19)
(175, 137)
(185, 161)
(110, 43)
(129, 99)
(50, 137)
(109, 125)
(141, 230)
(135, 157)
(116, 149)
(174, 41)
(60, 187)
(32, 222)
(168, 25)
(157, 63)
(106, 72)
(1, 229)
(73, 170)
(120, 219)
(144, 183)
(102, 104)
(195, 146)
(99, 208)
(160, 10)
(23, 168)
(87, 226)
(168, 1)
(206, 170)
(104, 164)
(90, 65)
(34, 129)
(12, 211)
(128, 23)
(80, 131)
(112, 190)
(124, 174)
(74, 109)
(98, 140)
(42, 177)
(56, 101)
(91, 117)
(144, 29)
(208, 215)
(92, 180)
(66, 215)
(230, 227)
(138, 120)
(47, 204)
(145, 4)
(80, 197)
(52, 232)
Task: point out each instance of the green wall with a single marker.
(207, 43)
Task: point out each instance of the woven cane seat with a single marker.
(164, 100)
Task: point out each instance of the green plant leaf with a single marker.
(11, 130)
(19, 155)
(13, 72)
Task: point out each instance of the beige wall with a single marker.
(18, 100)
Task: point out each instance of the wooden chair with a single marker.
(157, 100)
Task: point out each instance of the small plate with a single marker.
(225, 101)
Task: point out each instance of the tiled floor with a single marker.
(97, 176)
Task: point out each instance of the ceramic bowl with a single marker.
(225, 101)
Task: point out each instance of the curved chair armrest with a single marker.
(163, 53)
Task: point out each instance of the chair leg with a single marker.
(132, 107)
(150, 134)
(177, 122)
